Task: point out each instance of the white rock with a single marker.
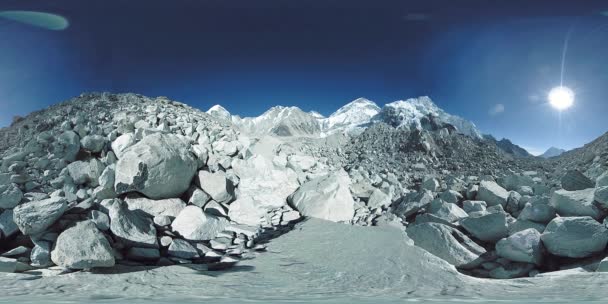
(82, 247)
(216, 185)
(182, 249)
(10, 196)
(8, 264)
(34, 217)
(133, 228)
(576, 203)
(326, 197)
(486, 226)
(300, 162)
(575, 237)
(164, 207)
(123, 142)
(159, 166)
(86, 172)
(195, 225)
(93, 143)
(493, 194)
(378, 199)
(524, 246)
(7, 225)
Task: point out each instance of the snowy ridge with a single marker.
(353, 115)
(220, 112)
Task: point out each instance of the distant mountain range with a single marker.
(552, 152)
(353, 118)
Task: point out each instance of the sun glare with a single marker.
(561, 98)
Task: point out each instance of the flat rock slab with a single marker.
(34, 217)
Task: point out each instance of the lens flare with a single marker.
(561, 98)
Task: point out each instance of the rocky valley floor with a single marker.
(121, 197)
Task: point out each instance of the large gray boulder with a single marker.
(182, 249)
(82, 247)
(486, 226)
(132, 228)
(247, 210)
(601, 196)
(86, 172)
(327, 197)
(575, 180)
(378, 199)
(447, 211)
(538, 210)
(492, 193)
(7, 225)
(194, 224)
(216, 185)
(524, 246)
(10, 196)
(576, 203)
(412, 202)
(159, 166)
(445, 242)
(34, 217)
(575, 237)
(8, 264)
(165, 207)
(93, 143)
(514, 182)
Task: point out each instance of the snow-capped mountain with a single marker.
(220, 112)
(355, 115)
(353, 118)
(552, 152)
(414, 113)
(281, 121)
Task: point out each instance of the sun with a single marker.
(561, 98)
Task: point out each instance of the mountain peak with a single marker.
(552, 152)
(218, 111)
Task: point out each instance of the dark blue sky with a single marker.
(468, 55)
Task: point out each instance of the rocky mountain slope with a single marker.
(107, 179)
(508, 147)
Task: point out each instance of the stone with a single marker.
(10, 196)
(474, 206)
(215, 208)
(575, 237)
(301, 162)
(514, 182)
(133, 228)
(485, 226)
(362, 190)
(82, 247)
(121, 143)
(378, 199)
(198, 197)
(538, 210)
(602, 266)
(34, 217)
(493, 194)
(511, 271)
(447, 211)
(166, 240)
(451, 196)
(602, 180)
(430, 184)
(159, 166)
(195, 225)
(15, 252)
(520, 225)
(8, 227)
(327, 197)
(601, 196)
(216, 185)
(162, 220)
(445, 242)
(143, 254)
(576, 203)
(170, 207)
(412, 202)
(93, 143)
(83, 172)
(41, 254)
(101, 220)
(225, 262)
(8, 264)
(70, 143)
(575, 180)
(182, 249)
(524, 246)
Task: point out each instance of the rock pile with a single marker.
(110, 179)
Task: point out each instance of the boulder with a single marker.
(70, 143)
(538, 210)
(101, 220)
(524, 246)
(195, 225)
(514, 182)
(451, 196)
(216, 185)
(602, 180)
(82, 247)
(602, 266)
(182, 249)
(575, 237)
(486, 226)
(576, 203)
(41, 254)
(412, 202)
(83, 172)
(132, 228)
(445, 242)
(520, 225)
(493, 194)
(164, 207)
(327, 197)
(197, 197)
(10, 196)
(378, 199)
(120, 144)
(474, 206)
(36, 216)
(7, 225)
(93, 143)
(430, 184)
(248, 211)
(575, 180)
(300, 162)
(447, 211)
(159, 166)
(8, 264)
(601, 196)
